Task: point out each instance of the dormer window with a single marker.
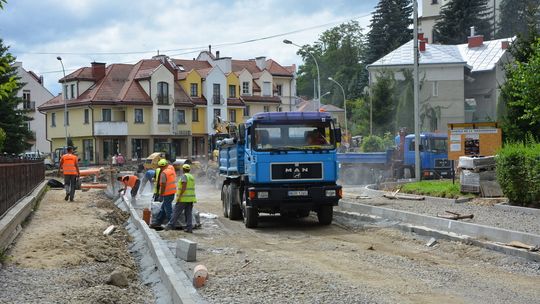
(245, 88)
(163, 93)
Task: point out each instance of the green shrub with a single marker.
(373, 143)
(518, 172)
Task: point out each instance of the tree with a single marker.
(390, 28)
(384, 103)
(405, 106)
(458, 16)
(515, 16)
(338, 52)
(2, 138)
(13, 121)
(520, 94)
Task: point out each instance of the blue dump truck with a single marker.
(280, 162)
(396, 163)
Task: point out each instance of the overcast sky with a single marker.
(79, 30)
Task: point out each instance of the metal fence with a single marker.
(17, 178)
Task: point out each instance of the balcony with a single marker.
(111, 128)
(29, 105)
(218, 99)
(164, 99)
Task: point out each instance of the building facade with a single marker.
(161, 104)
(34, 94)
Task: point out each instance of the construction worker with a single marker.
(131, 181)
(185, 198)
(167, 190)
(148, 177)
(70, 167)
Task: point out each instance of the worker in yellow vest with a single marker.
(185, 198)
(167, 190)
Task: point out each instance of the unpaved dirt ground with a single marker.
(62, 255)
(298, 261)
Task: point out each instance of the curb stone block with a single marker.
(186, 250)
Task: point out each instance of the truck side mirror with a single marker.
(241, 133)
(338, 135)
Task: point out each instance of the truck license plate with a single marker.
(298, 193)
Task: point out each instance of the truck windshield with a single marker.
(438, 145)
(304, 136)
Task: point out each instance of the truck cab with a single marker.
(433, 155)
(283, 162)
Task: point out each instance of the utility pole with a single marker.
(417, 163)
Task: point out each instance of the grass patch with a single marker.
(4, 257)
(438, 188)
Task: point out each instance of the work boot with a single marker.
(156, 227)
(67, 196)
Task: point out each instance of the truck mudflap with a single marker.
(294, 197)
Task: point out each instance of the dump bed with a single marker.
(365, 157)
(231, 158)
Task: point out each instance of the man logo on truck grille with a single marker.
(297, 171)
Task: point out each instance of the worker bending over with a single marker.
(185, 198)
(131, 181)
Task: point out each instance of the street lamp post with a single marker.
(318, 71)
(344, 103)
(64, 92)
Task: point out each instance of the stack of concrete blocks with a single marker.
(478, 175)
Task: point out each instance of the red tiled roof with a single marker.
(84, 73)
(201, 101)
(189, 65)
(235, 102)
(262, 99)
(181, 98)
(250, 65)
(276, 69)
(256, 87)
(204, 72)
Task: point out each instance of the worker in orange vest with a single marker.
(131, 181)
(167, 190)
(70, 166)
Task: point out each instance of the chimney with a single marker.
(98, 70)
(475, 40)
(505, 44)
(210, 48)
(217, 54)
(224, 63)
(422, 46)
(41, 79)
(261, 62)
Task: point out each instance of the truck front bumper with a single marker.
(294, 197)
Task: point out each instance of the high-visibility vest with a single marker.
(130, 180)
(170, 181)
(189, 194)
(156, 180)
(69, 164)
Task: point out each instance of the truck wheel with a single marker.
(224, 199)
(303, 213)
(235, 213)
(325, 214)
(251, 217)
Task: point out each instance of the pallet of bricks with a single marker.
(478, 175)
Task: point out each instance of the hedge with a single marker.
(518, 173)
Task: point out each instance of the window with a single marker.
(232, 91)
(194, 90)
(217, 94)
(246, 111)
(245, 88)
(72, 90)
(106, 115)
(163, 93)
(279, 88)
(217, 112)
(267, 88)
(180, 117)
(434, 1)
(163, 116)
(88, 149)
(435, 90)
(266, 109)
(53, 119)
(66, 92)
(195, 114)
(294, 136)
(86, 116)
(27, 103)
(139, 118)
(66, 118)
(232, 115)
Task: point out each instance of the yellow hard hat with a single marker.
(162, 162)
(186, 166)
